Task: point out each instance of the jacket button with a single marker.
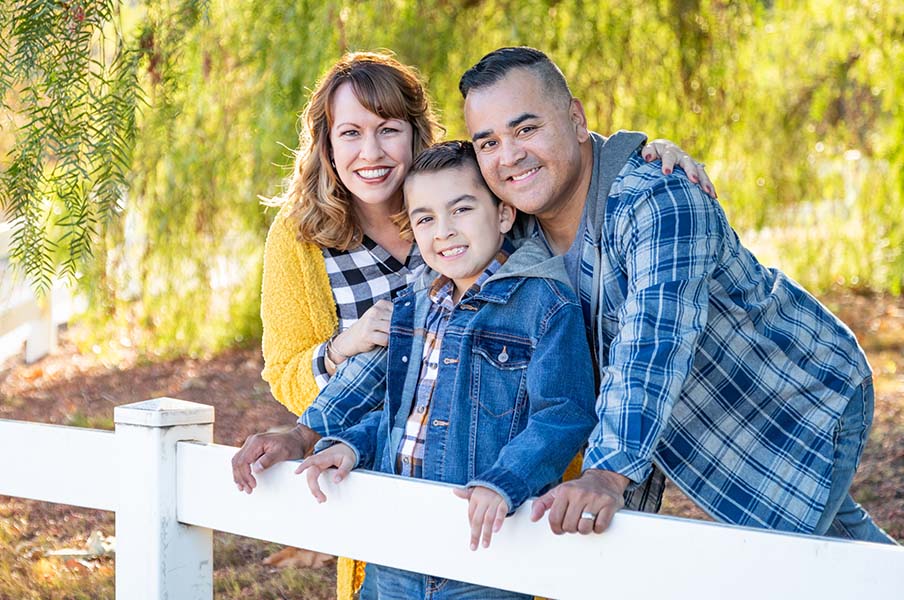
(404, 359)
(408, 304)
(450, 361)
(503, 356)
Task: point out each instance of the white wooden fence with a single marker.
(169, 487)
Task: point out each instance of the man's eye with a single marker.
(487, 145)
(527, 129)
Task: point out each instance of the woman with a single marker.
(333, 255)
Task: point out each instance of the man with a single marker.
(750, 395)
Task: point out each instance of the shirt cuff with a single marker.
(618, 461)
(318, 366)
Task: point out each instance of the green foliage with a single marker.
(794, 106)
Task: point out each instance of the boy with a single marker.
(471, 381)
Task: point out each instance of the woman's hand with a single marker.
(671, 154)
(368, 332)
(340, 456)
(486, 513)
(263, 450)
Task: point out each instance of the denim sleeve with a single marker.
(669, 242)
(357, 388)
(560, 411)
(361, 438)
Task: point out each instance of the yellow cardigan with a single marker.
(298, 313)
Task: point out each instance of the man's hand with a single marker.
(486, 512)
(596, 493)
(338, 455)
(263, 450)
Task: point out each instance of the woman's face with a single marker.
(372, 154)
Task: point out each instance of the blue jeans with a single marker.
(843, 517)
(395, 584)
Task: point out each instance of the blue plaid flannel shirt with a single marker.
(725, 373)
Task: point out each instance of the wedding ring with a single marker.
(588, 515)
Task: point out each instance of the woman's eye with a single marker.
(389, 130)
(348, 133)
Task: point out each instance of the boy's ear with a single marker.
(506, 217)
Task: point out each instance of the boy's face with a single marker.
(457, 224)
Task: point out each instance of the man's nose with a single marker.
(510, 154)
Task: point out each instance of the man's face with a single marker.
(528, 143)
(457, 224)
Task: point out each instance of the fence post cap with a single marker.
(163, 412)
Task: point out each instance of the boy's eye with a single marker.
(461, 209)
(423, 220)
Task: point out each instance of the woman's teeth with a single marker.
(373, 173)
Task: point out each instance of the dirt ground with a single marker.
(77, 389)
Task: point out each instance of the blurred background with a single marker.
(794, 106)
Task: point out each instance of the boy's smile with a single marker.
(457, 223)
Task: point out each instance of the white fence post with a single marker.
(42, 339)
(156, 556)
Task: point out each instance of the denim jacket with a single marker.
(514, 399)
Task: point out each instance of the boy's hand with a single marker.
(486, 512)
(338, 455)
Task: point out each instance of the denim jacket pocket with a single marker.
(498, 373)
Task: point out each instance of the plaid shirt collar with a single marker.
(442, 287)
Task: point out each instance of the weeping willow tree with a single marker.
(183, 114)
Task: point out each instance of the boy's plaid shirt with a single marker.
(410, 456)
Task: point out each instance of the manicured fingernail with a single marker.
(648, 157)
(667, 171)
(695, 179)
(473, 546)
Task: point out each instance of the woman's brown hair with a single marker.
(321, 203)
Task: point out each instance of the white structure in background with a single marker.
(170, 487)
(24, 317)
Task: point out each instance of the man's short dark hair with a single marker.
(498, 63)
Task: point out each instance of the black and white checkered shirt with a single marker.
(360, 277)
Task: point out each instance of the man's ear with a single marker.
(506, 217)
(579, 120)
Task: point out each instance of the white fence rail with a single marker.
(170, 487)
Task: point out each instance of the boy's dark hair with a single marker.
(498, 63)
(445, 155)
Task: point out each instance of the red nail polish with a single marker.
(668, 171)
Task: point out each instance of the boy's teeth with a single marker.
(373, 173)
(453, 251)
(523, 175)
